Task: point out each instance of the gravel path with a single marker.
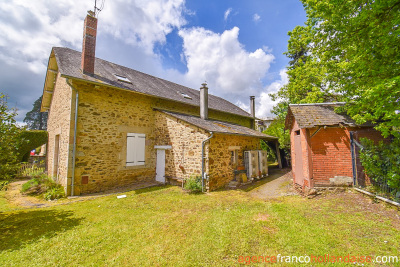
(277, 184)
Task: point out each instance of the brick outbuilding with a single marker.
(320, 144)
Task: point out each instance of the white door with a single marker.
(160, 166)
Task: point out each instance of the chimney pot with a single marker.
(204, 101)
(89, 43)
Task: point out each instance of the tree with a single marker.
(357, 45)
(31, 140)
(276, 128)
(348, 51)
(10, 141)
(35, 119)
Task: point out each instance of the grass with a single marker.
(164, 226)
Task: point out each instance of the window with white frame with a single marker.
(234, 157)
(234, 154)
(135, 149)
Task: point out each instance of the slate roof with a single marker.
(219, 126)
(314, 115)
(69, 65)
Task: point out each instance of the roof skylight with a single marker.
(186, 96)
(122, 78)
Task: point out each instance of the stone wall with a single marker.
(219, 165)
(184, 158)
(59, 124)
(105, 116)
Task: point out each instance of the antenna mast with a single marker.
(98, 9)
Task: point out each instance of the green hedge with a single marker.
(31, 140)
(382, 162)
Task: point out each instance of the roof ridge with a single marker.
(192, 90)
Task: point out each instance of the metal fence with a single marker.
(361, 180)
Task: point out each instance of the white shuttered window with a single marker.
(135, 149)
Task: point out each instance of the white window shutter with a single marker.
(135, 149)
(130, 149)
(140, 148)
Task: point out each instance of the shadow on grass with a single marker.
(274, 173)
(23, 227)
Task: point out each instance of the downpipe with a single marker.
(75, 130)
(353, 158)
(203, 174)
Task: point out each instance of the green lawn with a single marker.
(165, 226)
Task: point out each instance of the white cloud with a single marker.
(222, 61)
(28, 29)
(256, 18)
(227, 13)
(142, 23)
(267, 49)
(265, 103)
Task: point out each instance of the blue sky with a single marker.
(236, 46)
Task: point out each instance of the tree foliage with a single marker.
(349, 50)
(35, 119)
(32, 140)
(10, 141)
(358, 44)
(276, 128)
(382, 162)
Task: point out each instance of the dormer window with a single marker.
(122, 78)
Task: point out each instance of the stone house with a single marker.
(320, 144)
(111, 126)
(263, 123)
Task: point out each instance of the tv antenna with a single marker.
(98, 9)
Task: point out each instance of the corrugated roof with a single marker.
(322, 114)
(219, 126)
(69, 64)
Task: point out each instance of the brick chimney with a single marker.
(252, 106)
(89, 43)
(204, 101)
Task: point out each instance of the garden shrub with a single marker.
(3, 185)
(382, 162)
(32, 139)
(43, 185)
(10, 141)
(193, 184)
(54, 193)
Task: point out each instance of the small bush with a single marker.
(33, 183)
(54, 193)
(382, 162)
(193, 184)
(45, 186)
(3, 185)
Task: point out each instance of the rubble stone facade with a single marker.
(106, 115)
